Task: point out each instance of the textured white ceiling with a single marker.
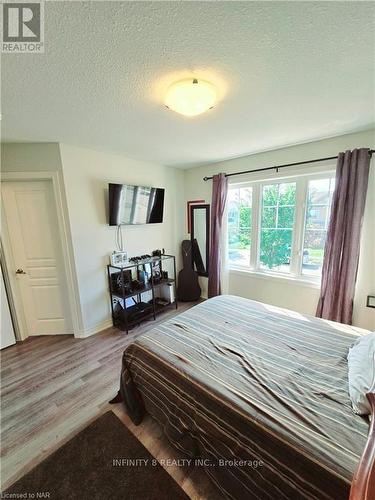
(287, 72)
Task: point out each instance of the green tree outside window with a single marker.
(278, 208)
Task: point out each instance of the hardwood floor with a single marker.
(53, 386)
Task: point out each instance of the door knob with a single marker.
(20, 271)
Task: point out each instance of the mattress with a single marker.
(258, 393)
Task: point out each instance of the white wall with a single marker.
(31, 157)
(86, 175)
(299, 297)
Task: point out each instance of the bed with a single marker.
(259, 393)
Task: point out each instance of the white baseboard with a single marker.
(87, 332)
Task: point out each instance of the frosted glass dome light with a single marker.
(191, 97)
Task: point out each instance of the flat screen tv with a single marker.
(135, 204)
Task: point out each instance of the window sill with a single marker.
(279, 278)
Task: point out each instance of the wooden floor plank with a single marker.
(53, 386)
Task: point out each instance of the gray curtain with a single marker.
(219, 197)
(341, 254)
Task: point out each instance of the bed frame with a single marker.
(363, 484)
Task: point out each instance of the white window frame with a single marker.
(295, 275)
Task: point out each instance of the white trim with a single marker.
(47, 333)
(67, 252)
(299, 226)
(18, 318)
(14, 294)
(92, 330)
(279, 278)
(255, 216)
(296, 258)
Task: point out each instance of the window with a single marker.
(277, 221)
(280, 227)
(239, 224)
(319, 197)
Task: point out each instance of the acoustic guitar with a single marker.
(188, 288)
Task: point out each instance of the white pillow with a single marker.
(361, 367)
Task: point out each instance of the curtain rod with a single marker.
(371, 151)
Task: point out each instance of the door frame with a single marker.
(67, 253)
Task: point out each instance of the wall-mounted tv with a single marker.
(135, 204)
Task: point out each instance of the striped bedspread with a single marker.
(258, 392)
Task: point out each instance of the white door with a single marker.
(32, 227)
(7, 336)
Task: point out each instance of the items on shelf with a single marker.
(120, 280)
(156, 271)
(131, 314)
(137, 285)
(158, 253)
(140, 257)
(141, 288)
(162, 302)
(119, 258)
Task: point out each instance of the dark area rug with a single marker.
(84, 468)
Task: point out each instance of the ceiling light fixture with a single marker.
(191, 97)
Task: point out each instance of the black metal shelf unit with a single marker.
(141, 290)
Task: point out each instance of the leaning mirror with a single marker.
(200, 237)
